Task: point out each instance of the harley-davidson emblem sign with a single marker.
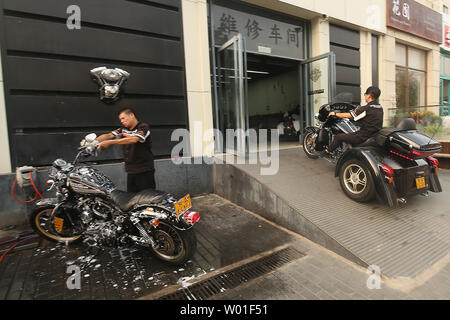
(110, 82)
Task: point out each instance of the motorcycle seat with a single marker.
(404, 125)
(126, 200)
(371, 142)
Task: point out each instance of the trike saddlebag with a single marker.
(410, 143)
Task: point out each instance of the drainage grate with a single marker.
(233, 278)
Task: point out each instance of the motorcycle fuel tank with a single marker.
(87, 180)
(346, 126)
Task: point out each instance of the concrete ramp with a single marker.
(305, 197)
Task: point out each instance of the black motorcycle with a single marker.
(394, 164)
(317, 139)
(88, 207)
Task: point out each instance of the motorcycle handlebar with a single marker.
(334, 117)
(88, 149)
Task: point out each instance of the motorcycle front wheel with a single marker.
(57, 228)
(309, 144)
(174, 246)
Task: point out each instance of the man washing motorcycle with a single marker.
(370, 118)
(89, 207)
(134, 136)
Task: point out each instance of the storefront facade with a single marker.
(445, 61)
(322, 49)
(299, 55)
(415, 31)
(294, 55)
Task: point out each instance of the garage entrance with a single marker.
(274, 95)
(262, 78)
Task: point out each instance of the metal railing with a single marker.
(433, 120)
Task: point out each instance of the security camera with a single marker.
(324, 16)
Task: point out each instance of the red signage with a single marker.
(414, 18)
(447, 35)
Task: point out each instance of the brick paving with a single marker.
(322, 275)
(225, 235)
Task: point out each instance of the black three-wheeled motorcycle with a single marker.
(393, 165)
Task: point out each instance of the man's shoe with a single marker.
(327, 153)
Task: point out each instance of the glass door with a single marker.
(231, 108)
(319, 85)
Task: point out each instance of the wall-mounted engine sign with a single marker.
(110, 82)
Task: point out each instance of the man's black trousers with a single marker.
(351, 138)
(140, 181)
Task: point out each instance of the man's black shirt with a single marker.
(138, 156)
(370, 119)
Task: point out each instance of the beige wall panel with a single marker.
(5, 162)
(367, 14)
(196, 46)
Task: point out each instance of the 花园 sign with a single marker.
(445, 32)
(262, 35)
(447, 36)
(414, 18)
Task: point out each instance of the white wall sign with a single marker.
(262, 35)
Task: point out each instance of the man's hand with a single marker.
(127, 140)
(340, 115)
(105, 144)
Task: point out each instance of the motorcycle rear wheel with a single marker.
(44, 225)
(175, 246)
(356, 181)
(308, 145)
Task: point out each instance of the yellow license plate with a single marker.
(183, 205)
(58, 223)
(420, 183)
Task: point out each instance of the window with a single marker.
(375, 60)
(445, 78)
(410, 76)
(444, 91)
(445, 66)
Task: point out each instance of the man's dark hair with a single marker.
(375, 92)
(126, 110)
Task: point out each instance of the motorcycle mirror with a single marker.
(90, 137)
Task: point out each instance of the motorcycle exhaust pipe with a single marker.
(401, 200)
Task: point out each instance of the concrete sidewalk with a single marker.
(324, 275)
(305, 197)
